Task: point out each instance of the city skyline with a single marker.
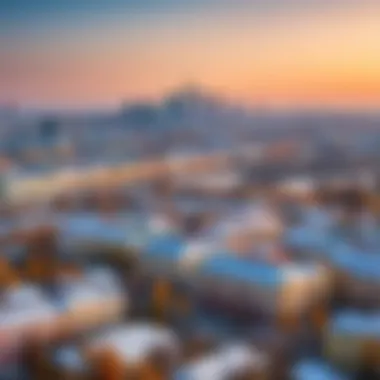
(281, 53)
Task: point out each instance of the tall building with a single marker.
(49, 129)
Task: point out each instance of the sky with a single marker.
(287, 53)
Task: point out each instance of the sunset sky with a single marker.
(86, 53)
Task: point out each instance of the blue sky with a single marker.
(85, 52)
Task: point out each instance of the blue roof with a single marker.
(241, 270)
(315, 370)
(198, 204)
(129, 230)
(305, 237)
(316, 217)
(168, 247)
(181, 375)
(69, 357)
(355, 323)
(83, 224)
(361, 264)
(89, 226)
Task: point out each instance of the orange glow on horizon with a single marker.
(294, 59)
